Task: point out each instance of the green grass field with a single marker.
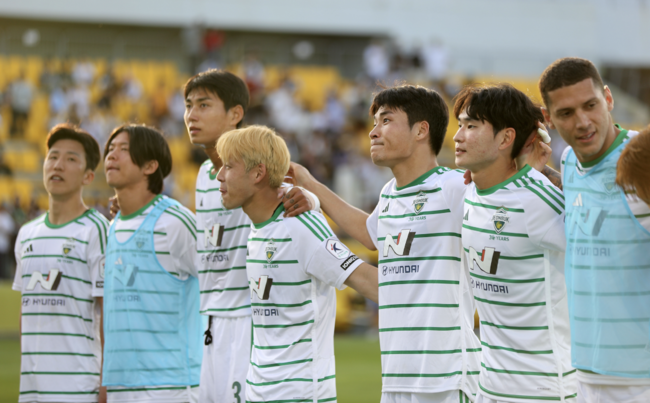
(358, 366)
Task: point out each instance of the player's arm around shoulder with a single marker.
(544, 206)
(181, 238)
(326, 258)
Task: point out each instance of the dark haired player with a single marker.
(608, 235)
(60, 257)
(216, 103)
(426, 312)
(153, 329)
(513, 236)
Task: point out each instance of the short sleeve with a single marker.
(327, 258)
(182, 241)
(97, 242)
(545, 224)
(372, 222)
(18, 277)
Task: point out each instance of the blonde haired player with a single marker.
(633, 169)
(293, 266)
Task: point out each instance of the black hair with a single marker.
(146, 144)
(565, 72)
(503, 106)
(419, 104)
(228, 87)
(68, 131)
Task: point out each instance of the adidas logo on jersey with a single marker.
(214, 235)
(118, 261)
(30, 248)
(403, 245)
(578, 200)
(201, 204)
(488, 260)
(466, 218)
(386, 209)
(50, 283)
(262, 288)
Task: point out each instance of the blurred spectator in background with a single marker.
(254, 76)
(436, 60)
(7, 233)
(83, 73)
(21, 94)
(376, 61)
(4, 168)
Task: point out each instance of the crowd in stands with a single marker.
(323, 117)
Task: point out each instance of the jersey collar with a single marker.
(275, 215)
(617, 142)
(141, 210)
(55, 226)
(486, 192)
(420, 180)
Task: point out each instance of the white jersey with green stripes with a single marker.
(175, 244)
(293, 266)
(59, 271)
(221, 246)
(513, 235)
(426, 310)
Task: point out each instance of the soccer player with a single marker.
(216, 102)
(607, 239)
(513, 236)
(153, 329)
(60, 257)
(429, 351)
(293, 265)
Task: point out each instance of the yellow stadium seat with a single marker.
(23, 189)
(6, 189)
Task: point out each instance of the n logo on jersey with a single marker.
(419, 202)
(262, 288)
(126, 274)
(593, 220)
(270, 250)
(487, 261)
(500, 219)
(403, 245)
(214, 235)
(50, 283)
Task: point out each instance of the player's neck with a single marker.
(612, 134)
(413, 167)
(133, 197)
(64, 209)
(492, 175)
(214, 157)
(261, 206)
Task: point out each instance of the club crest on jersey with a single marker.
(419, 202)
(140, 242)
(337, 249)
(270, 250)
(500, 219)
(609, 180)
(68, 246)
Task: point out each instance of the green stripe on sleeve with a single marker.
(551, 205)
(184, 223)
(324, 225)
(99, 230)
(310, 228)
(548, 193)
(316, 224)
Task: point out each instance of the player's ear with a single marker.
(547, 117)
(89, 176)
(608, 98)
(422, 129)
(508, 138)
(150, 167)
(260, 173)
(235, 115)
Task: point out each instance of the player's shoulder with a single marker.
(178, 218)
(565, 154)
(630, 135)
(31, 227)
(536, 193)
(307, 228)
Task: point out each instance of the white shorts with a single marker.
(591, 393)
(451, 396)
(225, 361)
(153, 394)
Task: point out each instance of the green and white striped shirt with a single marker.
(513, 235)
(59, 271)
(426, 310)
(293, 266)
